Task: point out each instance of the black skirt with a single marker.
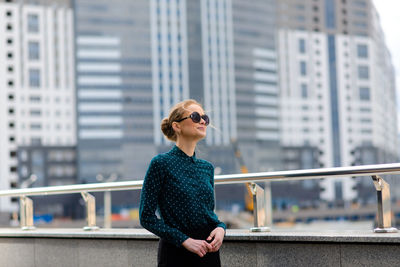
(171, 256)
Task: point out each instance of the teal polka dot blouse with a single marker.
(181, 189)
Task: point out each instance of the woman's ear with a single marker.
(176, 127)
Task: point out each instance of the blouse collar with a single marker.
(178, 152)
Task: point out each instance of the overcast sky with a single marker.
(390, 20)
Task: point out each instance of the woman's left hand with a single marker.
(218, 235)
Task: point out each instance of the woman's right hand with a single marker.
(199, 247)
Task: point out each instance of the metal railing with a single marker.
(382, 188)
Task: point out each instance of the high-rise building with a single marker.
(37, 81)
(136, 59)
(115, 99)
(256, 83)
(337, 87)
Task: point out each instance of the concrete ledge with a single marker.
(138, 247)
(231, 235)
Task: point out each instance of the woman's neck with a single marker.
(186, 146)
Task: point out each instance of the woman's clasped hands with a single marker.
(202, 247)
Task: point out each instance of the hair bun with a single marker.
(166, 128)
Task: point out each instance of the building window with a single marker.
(366, 131)
(9, 41)
(362, 51)
(304, 90)
(9, 13)
(36, 126)
(365, 110)
(365, 120)
(302, 46)
(303, 68)
(34, 78)
(36, 141)
(9, 27)
(33, 23)
(359, 3)
(360, 24)
(365, 93)
(360, 13)
(300, 18)
(33, 49)
(363, 72)
(35, 112)
(35, 99)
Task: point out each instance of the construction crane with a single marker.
(243, 169)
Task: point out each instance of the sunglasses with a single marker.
(196, 118)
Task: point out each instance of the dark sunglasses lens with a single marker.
(195, 116)
(206, 119)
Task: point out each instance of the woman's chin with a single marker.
(202, 135)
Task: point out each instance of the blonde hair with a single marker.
(175, 114)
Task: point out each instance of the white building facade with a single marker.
(170, 55)
(169, 59)
(37, 79)
(337, 95)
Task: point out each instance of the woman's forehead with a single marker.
(194, 107)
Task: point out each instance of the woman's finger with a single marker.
(215, 241)
(212, 234)
(202, 253)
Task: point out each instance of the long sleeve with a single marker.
(149, 196)
(219, 223)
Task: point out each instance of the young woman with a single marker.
(180, 187)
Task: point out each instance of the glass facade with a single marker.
(256, 82)
(114, 88)
(334, 100)
(330, 14)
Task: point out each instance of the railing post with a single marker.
(90, 202)
(26, 213)
(268, 203)
(259, 209)
(384, 210)
(107, 210)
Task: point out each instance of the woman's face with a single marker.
(190, 129)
